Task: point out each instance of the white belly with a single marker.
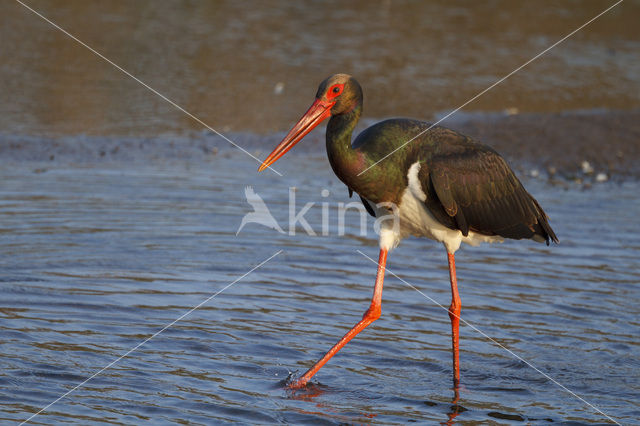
(413, 218)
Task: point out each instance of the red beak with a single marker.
(316, 114)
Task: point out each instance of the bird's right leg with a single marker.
(454, 315)
(372, 314)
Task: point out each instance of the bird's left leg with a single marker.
(371, 314)
(454, 315)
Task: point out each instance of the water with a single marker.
(224, 60)
(97, 258)
(118, 216)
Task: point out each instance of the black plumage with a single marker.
(466, 186)
(473, 189)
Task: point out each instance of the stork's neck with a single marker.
(345, 161)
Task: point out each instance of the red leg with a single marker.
(372, 314)
(454, 315)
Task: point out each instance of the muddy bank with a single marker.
(567, 145)
(561, 143)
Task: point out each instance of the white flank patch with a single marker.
(414, 183)
(416, 219)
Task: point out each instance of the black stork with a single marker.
(442, 185)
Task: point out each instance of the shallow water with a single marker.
(97, 258)
(241, 67)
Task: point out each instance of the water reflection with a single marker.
(455, 409)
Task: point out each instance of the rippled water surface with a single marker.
(96, 259)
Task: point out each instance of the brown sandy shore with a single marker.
(555, 145)
(560, 143)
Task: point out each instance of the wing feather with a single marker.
(476, 189)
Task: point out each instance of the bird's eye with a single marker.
(335, 90)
